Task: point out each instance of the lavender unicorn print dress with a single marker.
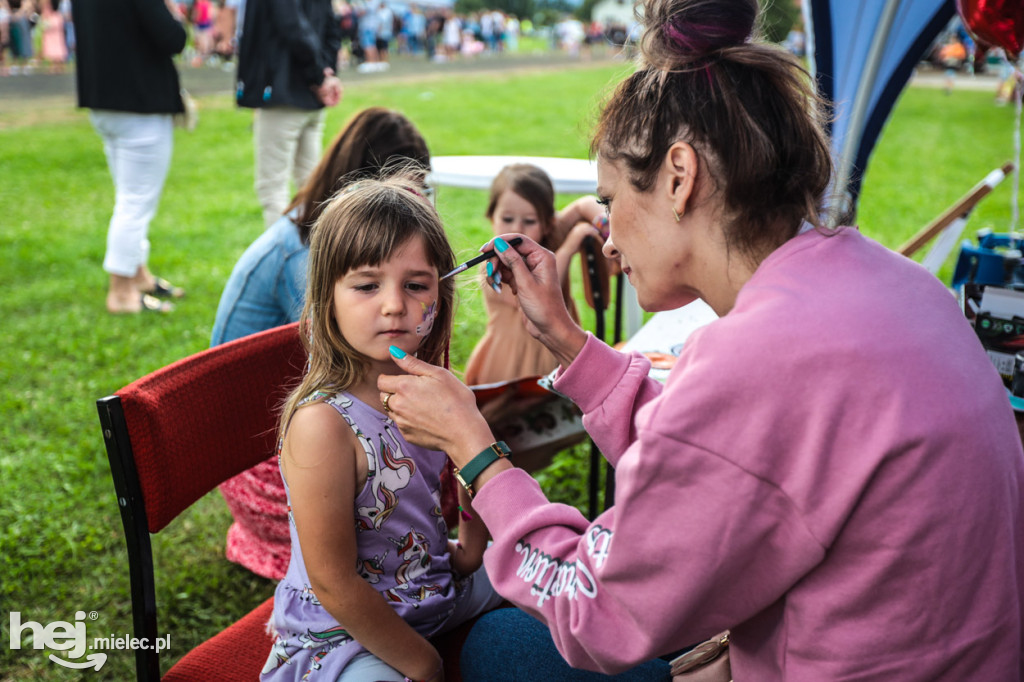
(403, 552)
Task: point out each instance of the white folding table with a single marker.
(569, 176)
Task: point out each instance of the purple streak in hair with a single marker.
(700, 39)
(695, 48)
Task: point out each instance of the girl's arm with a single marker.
(468, 552)
(585, 209)
(573, 224)
(319, 463)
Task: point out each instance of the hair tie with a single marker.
(406, 187)
(699, 41)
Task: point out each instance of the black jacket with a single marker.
(124, 53)
(284, 48)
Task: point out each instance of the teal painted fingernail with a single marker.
(396, 352)
(490, 269)
(500, 244)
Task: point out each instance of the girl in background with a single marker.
(372, 572)
(54, 49)
(522, 200)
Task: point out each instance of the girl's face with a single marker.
(392, 303)
(513, 213)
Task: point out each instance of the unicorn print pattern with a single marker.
(402, 551)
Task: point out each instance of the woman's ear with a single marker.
(680, 176)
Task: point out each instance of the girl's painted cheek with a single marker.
(429, 315)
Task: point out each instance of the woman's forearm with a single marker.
(565, 342)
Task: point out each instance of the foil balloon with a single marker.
(998, 22)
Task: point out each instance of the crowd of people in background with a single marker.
(373, 31)
(956, 51)
(38, 36)
(35, 35)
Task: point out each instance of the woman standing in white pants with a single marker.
(127, 78)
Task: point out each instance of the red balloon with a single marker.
(1000, 22)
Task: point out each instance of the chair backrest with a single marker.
(596, 274)
(174, 435)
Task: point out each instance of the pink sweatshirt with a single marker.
(832, 470)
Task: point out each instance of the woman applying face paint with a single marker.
(831, 470)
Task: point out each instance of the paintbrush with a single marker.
(476, 260)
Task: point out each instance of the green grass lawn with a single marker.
(61, 545)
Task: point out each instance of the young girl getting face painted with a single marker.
(373, 574)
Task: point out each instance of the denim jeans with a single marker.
(510, 645)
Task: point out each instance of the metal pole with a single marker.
(855, 127)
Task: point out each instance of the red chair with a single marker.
(175, 435)
(172, 437)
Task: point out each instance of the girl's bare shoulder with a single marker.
(317, 432)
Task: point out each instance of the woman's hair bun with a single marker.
(680, 32)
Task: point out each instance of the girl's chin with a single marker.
(382, 352)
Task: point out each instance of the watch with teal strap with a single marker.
(476, 466)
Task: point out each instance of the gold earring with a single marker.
(676, 215)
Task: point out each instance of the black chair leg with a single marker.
(609, 472)
(590, 250)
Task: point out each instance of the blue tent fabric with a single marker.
(841, 33)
